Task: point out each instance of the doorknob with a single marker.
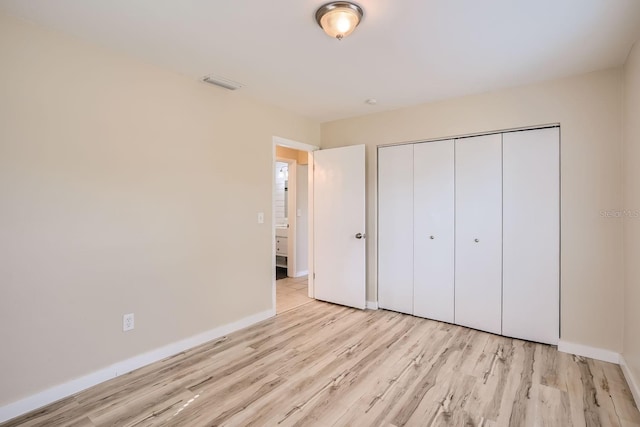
(432, 237)
(476, 240)
(360, 236)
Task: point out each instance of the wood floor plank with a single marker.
(445, 404)
(63, 412)
(145, 404)
(551, 367)
(620, 394)
(398, 380)
(551, 407)
(314, 358)
(613, 408)
(492, 396)
(347, 365)
(589, 393)
(391, 372)
(429, 378)
(326, 365)
(520, 411)
(159, 413)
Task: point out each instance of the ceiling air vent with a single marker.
(222, 82)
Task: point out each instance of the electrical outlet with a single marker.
(128, 322)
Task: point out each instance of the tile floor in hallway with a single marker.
(291, 292)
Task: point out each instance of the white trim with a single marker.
(372, 305)
(302, 273)
(61, 391)
(631, 380)
(587, 351)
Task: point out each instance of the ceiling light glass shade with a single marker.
(339, 19)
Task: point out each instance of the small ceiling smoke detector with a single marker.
(371, 101)
(222, 82)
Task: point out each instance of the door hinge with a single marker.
(314, 275)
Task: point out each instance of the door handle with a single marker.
(432, 237)
(476, 240)
(360, 236)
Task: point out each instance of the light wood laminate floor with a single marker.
(326, 365)
(291, 292)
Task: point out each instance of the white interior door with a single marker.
(478, 222)
(433, 240)
(339, 226)
(531, 294)
(395, 228)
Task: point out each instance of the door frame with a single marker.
(284, 142)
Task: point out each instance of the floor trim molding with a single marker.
(631, 380)
(587, 351)
(372, 305)
(61, 391)
(302, 273)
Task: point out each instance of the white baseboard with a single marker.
(302, 273)
(634, 385)
(587, 351)
(372, 305)
(60, 391)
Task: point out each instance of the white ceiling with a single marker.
(404, 52)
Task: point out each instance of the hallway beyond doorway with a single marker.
(291, 292)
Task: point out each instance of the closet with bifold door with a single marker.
(468, 231)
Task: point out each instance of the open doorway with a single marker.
(291, 203)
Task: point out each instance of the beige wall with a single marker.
(120, 193)
(302, 157)
(589, 109)
(632, 203)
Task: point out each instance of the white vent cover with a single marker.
(222, 82)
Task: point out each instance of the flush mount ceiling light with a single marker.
(339, 18)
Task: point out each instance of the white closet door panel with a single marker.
(433, 267)
(478, 269)
(531, 235)
(395, 228)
